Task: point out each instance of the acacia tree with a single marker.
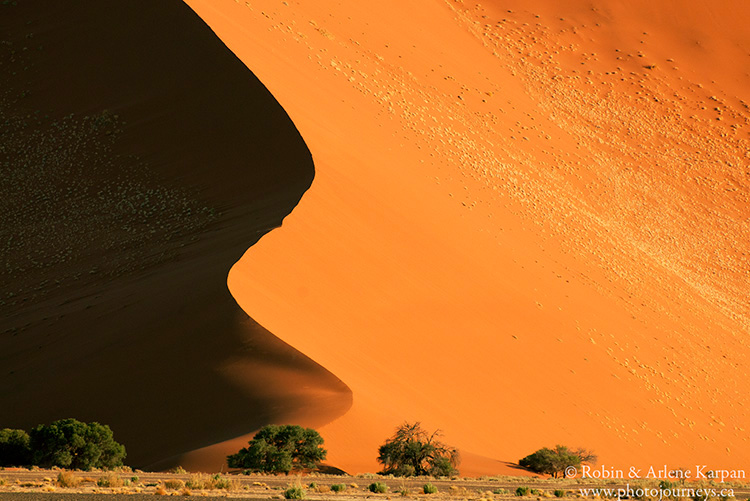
(412, 451)
(554, 462)
(279, 449)
(69, 443)
(14, 448)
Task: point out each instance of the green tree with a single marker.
(553, 462)
(412, 451)
(69, 443)
(279, 449)
(14, 448)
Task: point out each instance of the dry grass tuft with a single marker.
(185, 492)
(160, 491)
(173, 484)
(458, 491)
(110, 479)
(201, 481)
(68, 479)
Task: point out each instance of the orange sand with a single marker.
(528, 224)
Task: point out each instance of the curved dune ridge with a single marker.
(528, 224)
(139, 160)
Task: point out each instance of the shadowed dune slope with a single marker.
(139, 160)
(528, 224)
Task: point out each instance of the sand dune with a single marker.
(528, 223)
(139, 160)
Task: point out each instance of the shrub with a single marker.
(110, 480)
(429, 489)
(523, 491)
(279, 449)
(202, 481)
(554, 462)
(178, 470)
(185, 492)
(338, 487)
(403, 489)
(457, 491)
(69, 443)
(67, 479)
(173, 484)
(378, 487)
(559, 493)
(296, 492)
(195, 482)
(412, 451)
(536, 492)
(134, 479)
(221, 482)
(14, 448)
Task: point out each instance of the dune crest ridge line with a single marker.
(140, 158)
(526, 222)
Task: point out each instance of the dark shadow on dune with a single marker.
(516, 466)
(140, 159)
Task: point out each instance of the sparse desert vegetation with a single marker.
(320, 487)
(412, 451)
(555, 461)
(203, 481)
(378, 488)
(295, 492)
(66, 443)
(110, 479)
(611, 188)
(280, 449)
(14, 447)
(429, 488)
(68, 479)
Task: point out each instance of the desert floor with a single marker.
(41, 484)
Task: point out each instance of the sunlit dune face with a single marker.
(527, 223)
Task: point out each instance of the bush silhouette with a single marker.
(14, 448)
(69, 443)
(296, 492)
(378, 487)
(429, 489)
(554, 462)
(279, 449)
(412, 451)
